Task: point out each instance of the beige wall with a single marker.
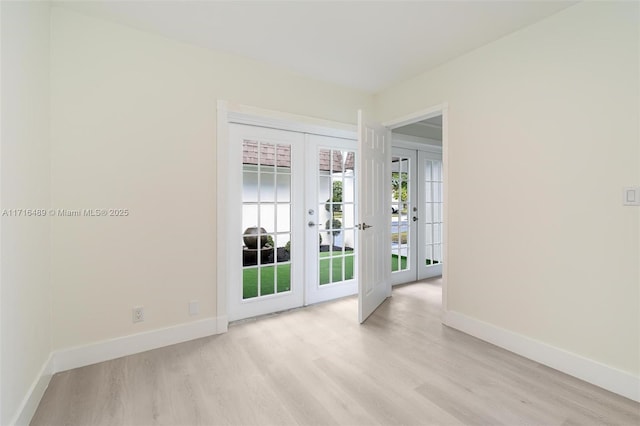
(134, 127)
(543, 136)
(25, 295)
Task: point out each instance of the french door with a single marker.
(404, 215)
(430, 227)
(295, 224)
(266, 260)
(416, 215)
(331, 218)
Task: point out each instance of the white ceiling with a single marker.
(358, 44)
(430, 128)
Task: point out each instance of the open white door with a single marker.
(374, 267)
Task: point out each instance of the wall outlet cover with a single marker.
(138, 314)
(631, 196)
(194, 308)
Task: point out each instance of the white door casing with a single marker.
(374, 268)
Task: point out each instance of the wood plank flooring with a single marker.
(317, 366)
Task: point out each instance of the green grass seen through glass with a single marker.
(403, 262)
(250, 275)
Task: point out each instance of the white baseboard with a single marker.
(223, 324)
(31, 400)
(80, 356)
(105, 350)
(596, 373)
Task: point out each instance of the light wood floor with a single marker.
(317, 366)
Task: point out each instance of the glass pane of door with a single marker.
(336, 215)
(266, 219)
(331, 219)
(402, 212)
(433, 212)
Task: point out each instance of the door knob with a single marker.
(415, 218)
(364, 226)
(311, 224)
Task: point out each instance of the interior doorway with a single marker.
(417, 201)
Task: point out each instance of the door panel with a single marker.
(330, 201)
(430, 228)
(374, 269)
(266, 260)
(404, 215)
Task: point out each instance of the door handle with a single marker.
(311, 224)
(364, 226)
(415, 219)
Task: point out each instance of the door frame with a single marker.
(229, 112)
(430, 112)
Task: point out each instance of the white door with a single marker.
(404, 215)
(374, 269)
(430, 223)
(331, 249)
(266, 241)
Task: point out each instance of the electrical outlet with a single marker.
(631, 196)
(194, 309)
(138, 313)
